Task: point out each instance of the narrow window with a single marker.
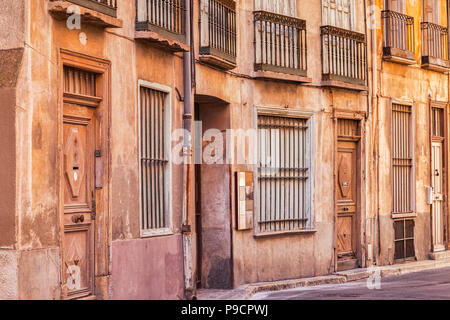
(402, 159)
(404, 239)
(283, 174)
(154, 164)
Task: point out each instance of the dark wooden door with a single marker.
(347, 203)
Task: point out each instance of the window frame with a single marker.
(309, 117)
(168, 230)
(413, 212)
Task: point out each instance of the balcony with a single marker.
(162, 23)
(344, 58)
(280, 47)
(434, 47)
(398, 37)
(97, 12)
(218, 33)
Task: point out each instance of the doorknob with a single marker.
(76, 218)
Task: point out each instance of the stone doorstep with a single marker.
(247, 291)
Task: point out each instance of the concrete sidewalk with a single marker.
(247, 291)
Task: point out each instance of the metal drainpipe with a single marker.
(374, 100)
(187, 155)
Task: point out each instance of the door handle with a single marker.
(345, 209)
(76, 218)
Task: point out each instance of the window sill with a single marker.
(398, 56)
(344, 85)
(435, 64)
(285, 77)
(156, 233)
(403, 215)
(284, 233)
(58, 9)
(216, 58)
(160, 37)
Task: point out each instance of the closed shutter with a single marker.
(338, 13)
(431, 11)
(402, 158)
(284, 7)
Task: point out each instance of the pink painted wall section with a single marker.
(148, 268)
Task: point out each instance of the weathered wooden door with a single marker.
(337, 13)
(346, 200)
(347, 206)
(78, 171)
(438, 197)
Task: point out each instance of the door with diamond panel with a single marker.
(78, 179)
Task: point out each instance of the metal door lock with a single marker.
(76, 218)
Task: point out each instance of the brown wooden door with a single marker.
(347, 205)
(79, 205)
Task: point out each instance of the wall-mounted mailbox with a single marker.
(245, 200)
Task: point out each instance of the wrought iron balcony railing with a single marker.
(434, 45)
(165, 17)
(108, 7)
(398, 35)
(280, 43)
(218, 29)
(344, 55)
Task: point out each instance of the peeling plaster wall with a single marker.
(287, 256)
(38, 259)
(409, 84)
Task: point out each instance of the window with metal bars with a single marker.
(404, 239)
(402, 159)
(154, 163)
(283, 202)
(437, 122)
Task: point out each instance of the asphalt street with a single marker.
(424, 285)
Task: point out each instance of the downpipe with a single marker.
(189, 289)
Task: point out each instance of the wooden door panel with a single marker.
(346, 196)
(438, 199)
(345, 235)
(78, 177)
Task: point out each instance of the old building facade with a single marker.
(154, 147)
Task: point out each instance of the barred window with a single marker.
(283, 174)
(154, 163)
(404, 239)
(402, 159)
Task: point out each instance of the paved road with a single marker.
(424, 285)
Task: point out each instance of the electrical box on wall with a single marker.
(245, 200)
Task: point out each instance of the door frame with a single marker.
(101, 258)
(360, 230)
(446, 186)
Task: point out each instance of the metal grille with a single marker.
(154, 163)
(404, 239)
(283, 174)
(398, 30)
(434, 40)
(280, 43)
(108, 7)
(402, 160)
(437, 122)
(222, 27)
(344, 55)
(78, 81)
(161, 16)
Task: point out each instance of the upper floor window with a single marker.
(218, 32)
(432, 11)
(284, 7)
(396, 5)
(339, 13)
